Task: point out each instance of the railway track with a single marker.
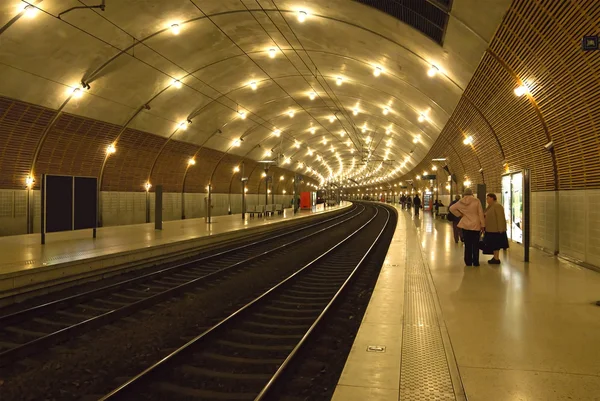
(35, 329)
(243, 356)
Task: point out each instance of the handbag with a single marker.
(484, 247)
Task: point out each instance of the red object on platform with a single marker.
(305, 200)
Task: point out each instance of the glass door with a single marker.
(517, 207)
(507, 203)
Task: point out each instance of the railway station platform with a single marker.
(437, 330)
(27, 267)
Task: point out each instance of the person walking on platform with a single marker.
(458, 234)
(472, 223)
(417, 203)
(495, 228)
(403, 201)
(408, 202)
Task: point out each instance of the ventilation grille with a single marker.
(429, 17)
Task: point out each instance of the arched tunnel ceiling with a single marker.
(130, 54)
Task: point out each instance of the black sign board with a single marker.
(429, 177)
(59, 203)
(68, 203)
(85, 203)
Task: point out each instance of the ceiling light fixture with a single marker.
(331, 119)
(386, 111)
(236, 169)
(433, 71)
(302, 16)
(313, 130)
(421, 117)
(339, 81)
(468, 140)
(242, 114)
(191, 162)
(377, 71)
(111, 149)
(312, 95)
(176, 83)
(253, 85)
(30, 11)
(521, 90)
(236, 143)
(291, 113)
(277, 133)
(175, 29)
(272, 52)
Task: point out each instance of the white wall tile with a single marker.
(572, 222)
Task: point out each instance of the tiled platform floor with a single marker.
(24, 252)
(518, 332)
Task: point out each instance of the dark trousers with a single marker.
(417, 210)
(458, 235)
(471, 247)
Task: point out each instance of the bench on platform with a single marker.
(252, 210)
(442, 212)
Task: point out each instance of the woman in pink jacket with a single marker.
(472, 224)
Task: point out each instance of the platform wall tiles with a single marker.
(567, 222)
(125, 208)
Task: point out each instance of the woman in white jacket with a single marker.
(472, 223)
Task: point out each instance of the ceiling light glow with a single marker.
(433, 70)
(302, 16)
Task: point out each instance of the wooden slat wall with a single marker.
(538, 42)
(77, 146)
(171, 164)
(21, 127)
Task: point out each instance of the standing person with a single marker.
(495, 228)
(403, 200)
(417, 203)
(458, 234)
(408, 202)
(472, 223)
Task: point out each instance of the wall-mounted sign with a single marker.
(590, 43)
(429, 177)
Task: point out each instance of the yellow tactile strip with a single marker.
(424, 373)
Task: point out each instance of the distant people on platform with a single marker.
(417, 203)
(408, 202)
(458, 234)
(495, 228)
(403, 201)
(472, 223)
(436, 206)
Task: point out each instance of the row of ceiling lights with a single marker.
(77, 92)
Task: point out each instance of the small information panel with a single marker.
(590, 43)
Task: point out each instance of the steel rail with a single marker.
(102, 319)
(144, 375)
